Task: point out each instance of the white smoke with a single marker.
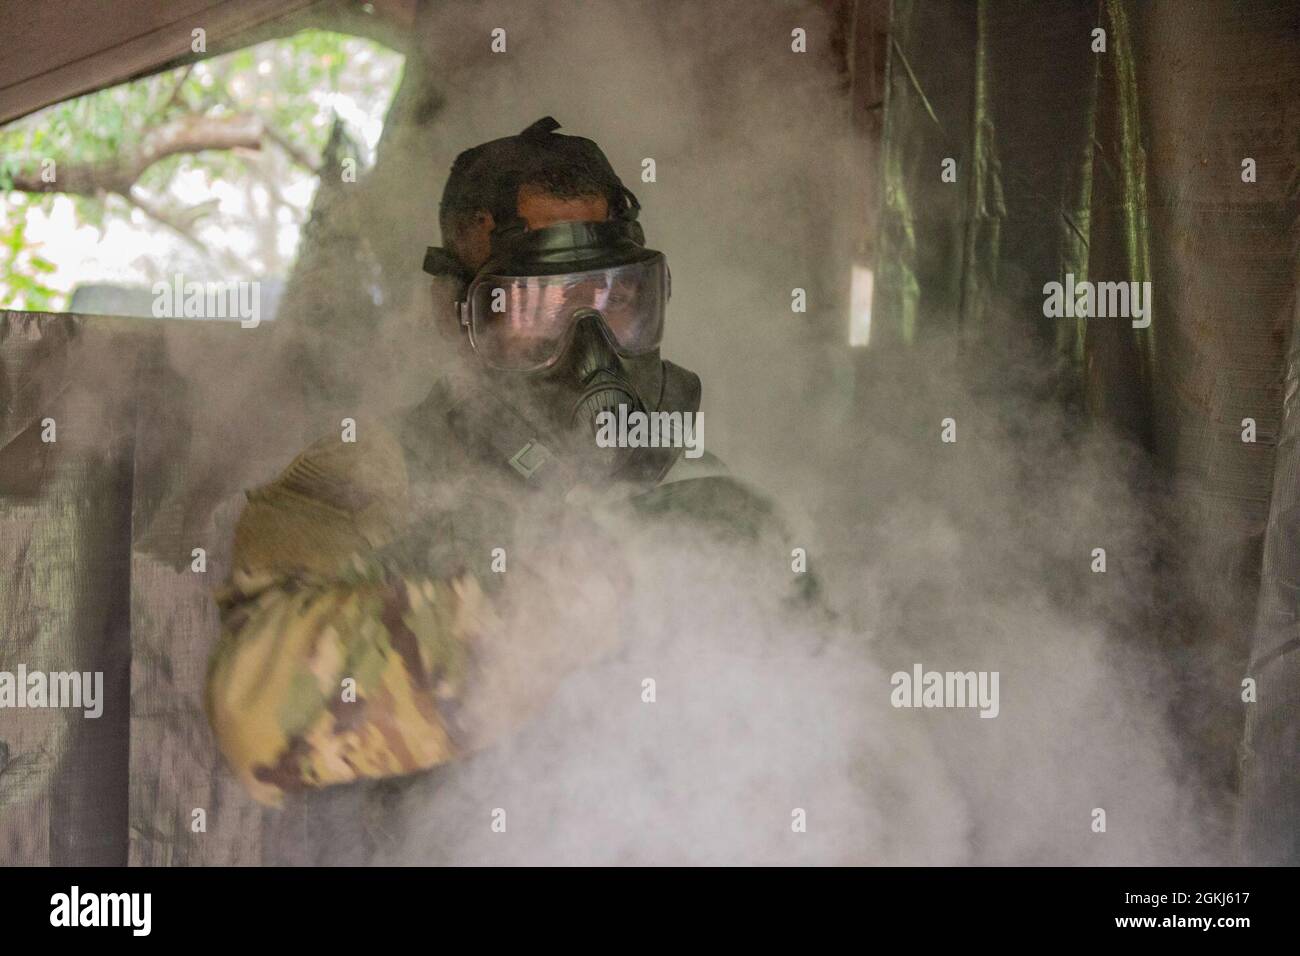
(966, 556)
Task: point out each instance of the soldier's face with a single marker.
(535, 207)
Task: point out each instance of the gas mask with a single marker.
(566, 323)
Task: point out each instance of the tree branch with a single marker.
(226, 260)
(153, 212)
(187, 134)
(299, 156)
(176, 91)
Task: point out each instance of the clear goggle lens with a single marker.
(523, 322)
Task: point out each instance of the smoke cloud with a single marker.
(973, 555)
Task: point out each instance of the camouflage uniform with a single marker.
(368, 561)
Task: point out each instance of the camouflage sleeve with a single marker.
(332, 666)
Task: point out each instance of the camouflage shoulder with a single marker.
(335, 498)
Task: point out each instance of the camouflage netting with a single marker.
(97, 536)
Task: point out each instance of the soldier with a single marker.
(367, 631)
